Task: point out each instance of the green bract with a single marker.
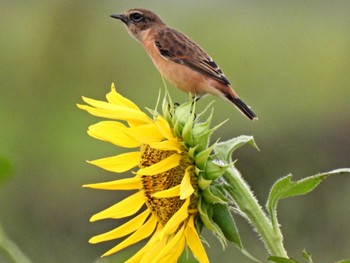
(213, 199)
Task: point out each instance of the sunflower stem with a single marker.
(248, 204)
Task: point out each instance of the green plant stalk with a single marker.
(10, 250)
(248, 204)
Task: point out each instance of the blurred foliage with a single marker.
(5, 170)
(9, 252)
(289, 60)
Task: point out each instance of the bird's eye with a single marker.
(136, 17)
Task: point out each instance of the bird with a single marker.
(179, 59)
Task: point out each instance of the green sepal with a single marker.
(223, 218)
(201, 140)
(201, 128)
(184, 112)
(177, 127)
(202, 157)
(201, 114)
(152, 112)
(168, 107)
(214, 168)
(203, 183)
(213, 195)
(201, 135)
(187, 135)
(198, 224)
(192, 152)
(225, 149)
(206, 214)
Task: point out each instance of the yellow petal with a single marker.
(171, 192)
(172, 225)
(172, 249)
(137, 258)
(162, 166)
(114, 132)
(119, 163)
(167, 145)
(143, 232)
(186, 188)
(169, 259)
(125, 229)
(122, 184)
(195, 243)
(124, 208)
(154, 247)
(115, 98)
(145, 133)
(99, 104)
(114, 112)
(164, 127)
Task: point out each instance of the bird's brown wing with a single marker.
(175, 46)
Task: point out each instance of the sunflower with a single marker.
(173, 174)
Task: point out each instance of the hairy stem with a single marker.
(248, 204)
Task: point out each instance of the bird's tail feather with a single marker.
(242, 107)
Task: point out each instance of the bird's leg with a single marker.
(195, 98)
(176, 104)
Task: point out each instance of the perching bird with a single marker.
(180, 60)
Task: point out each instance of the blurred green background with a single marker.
(289, 60)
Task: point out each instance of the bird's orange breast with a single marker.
(177, 74)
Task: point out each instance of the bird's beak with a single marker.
(120, 17)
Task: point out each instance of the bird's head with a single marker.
(138, 21)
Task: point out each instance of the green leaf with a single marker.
(225, 149)
(343, 261)
(285, 187)
(306, 255)
(282, 260)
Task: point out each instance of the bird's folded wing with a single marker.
(175, 46)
